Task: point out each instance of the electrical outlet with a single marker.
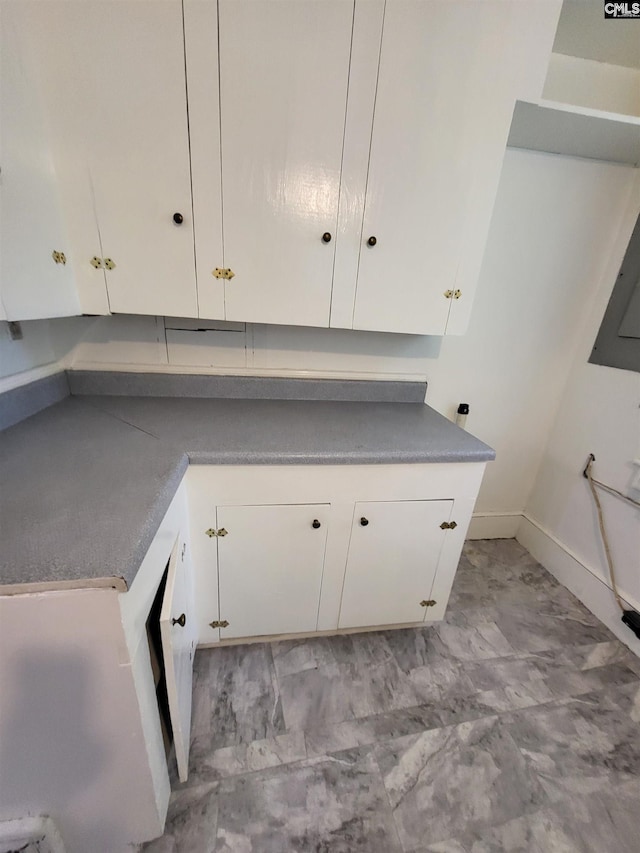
(15, 331)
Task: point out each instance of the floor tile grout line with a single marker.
(498, 714)
(388, 799)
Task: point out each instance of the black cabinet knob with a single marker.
(364, 521)
(316, 524)
(372, 241)
(178, 218)
(181, 620)
(326, 237)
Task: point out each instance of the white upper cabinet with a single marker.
(346, 155)
(203, 85)
(336, 165)
(113, 76)
(448, 77)
(433, 105)
(283, 77)
(36, 271)
(141, 133)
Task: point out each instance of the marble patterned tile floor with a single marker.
(514, 725)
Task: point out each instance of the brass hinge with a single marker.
(448, 525)
(452, 294)
(427, 603)
(219, 623)
(211, 532)
(223, 273)
(98, 263)
(59, 257)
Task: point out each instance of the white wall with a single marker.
(554, 222)
(44, 343)
(33, 350)
(202, 346)
(599, 414)
(553, 225)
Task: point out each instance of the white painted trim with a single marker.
(494, 525)
(528, 520)
(585, 582)
(246, 371)
(16, 380)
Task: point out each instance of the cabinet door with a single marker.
(203, 84)
(32, 227)
(392, 562)
(114, 79)
(283, 87)
(270, 564)
(179, 631)
(442, 112)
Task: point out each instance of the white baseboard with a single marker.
(585, 582)
(494, 525)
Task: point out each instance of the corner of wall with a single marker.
(599, 413)
(582, 580)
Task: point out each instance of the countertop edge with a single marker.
(32, 587)
(154, 518)
(200, 457)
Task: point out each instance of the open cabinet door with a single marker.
(178, 632)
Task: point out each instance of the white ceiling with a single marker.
(583, 31)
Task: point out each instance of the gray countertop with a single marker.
(87, 481)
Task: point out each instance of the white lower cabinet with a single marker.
(264, 551)
(270, 564)
(393, 557)
(283, 550)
